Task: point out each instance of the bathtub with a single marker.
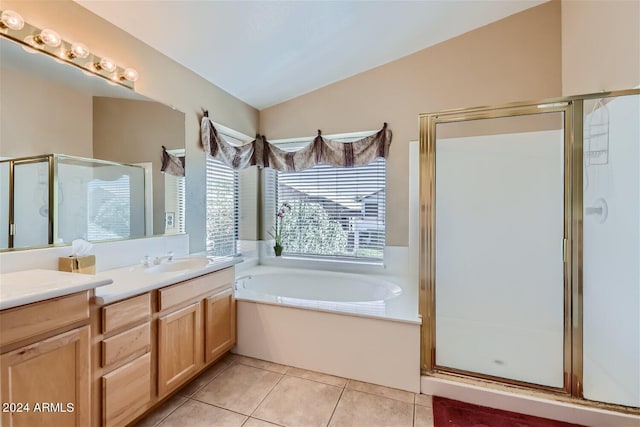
(363, 327)
(351, 293)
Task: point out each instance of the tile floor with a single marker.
(240, 391)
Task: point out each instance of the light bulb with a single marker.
(78, 50)
(130, 74)
(48, 37)
(106, 64)
(11, 20)
(29, 41)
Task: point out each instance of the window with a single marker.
(109, 209)
(335, 212)
(174, 204)
(174, 200)
(222, 202)
(222, 209)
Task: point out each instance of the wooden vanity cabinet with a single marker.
(76, 363)
(45, 363)
(196, 325)
(147, 346)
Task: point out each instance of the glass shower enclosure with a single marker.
(530, 246)
(56, 198)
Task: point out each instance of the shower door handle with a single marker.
(12, 229)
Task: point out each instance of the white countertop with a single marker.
(25, 287)
(137, 279)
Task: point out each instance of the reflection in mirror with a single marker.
(50, 107)
(57, 199)
(174, 200)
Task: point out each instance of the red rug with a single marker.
(451, 413)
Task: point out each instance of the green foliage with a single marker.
(220, 221)
(114, 215)
(307, 229)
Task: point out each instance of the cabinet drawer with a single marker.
(125, 391)
(182, 292)
(22, 323)
(121, 346)
(126, 312)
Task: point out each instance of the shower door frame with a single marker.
(51, 194)
(573, 108)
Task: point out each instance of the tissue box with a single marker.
(78, 264)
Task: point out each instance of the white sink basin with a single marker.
(184, 264)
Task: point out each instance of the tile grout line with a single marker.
(380, 395)
(413, 419)
(337, 403)
(266, 395)
(170, 412)
(186, 398)
(223, 408)
(238, 362)
(318, 381)
(270, 422)
(231, 410)
(227, 366)
(191, 397)
(286, 371)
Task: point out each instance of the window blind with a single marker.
(182, 203)
(109, 213)
(335, 212)
(222, 206)
(175, 203)
(175, 199)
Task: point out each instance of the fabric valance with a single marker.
(171, 164)
(261, 153)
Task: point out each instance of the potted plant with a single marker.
(277, 228)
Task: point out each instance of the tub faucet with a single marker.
(241, 279)
(159, 259)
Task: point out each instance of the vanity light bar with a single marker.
(13, 27)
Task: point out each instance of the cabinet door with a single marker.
(220, 326)
(52, 377)
(179, 347)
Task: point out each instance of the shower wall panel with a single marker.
(611, 254)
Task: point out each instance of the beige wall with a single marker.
(546, 51)
(517, 58)
(128, 131)
(600, 45)
(40, 117)
(161, 79)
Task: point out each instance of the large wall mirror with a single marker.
(95, 128)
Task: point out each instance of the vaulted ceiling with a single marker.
(266, 52)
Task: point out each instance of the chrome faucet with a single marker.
(169, 257)
(241, 280)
